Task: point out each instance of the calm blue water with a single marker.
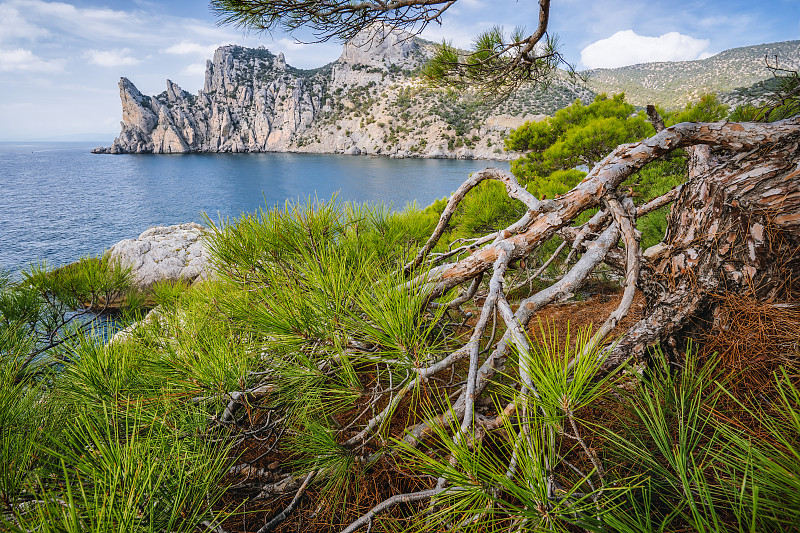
(59, 202)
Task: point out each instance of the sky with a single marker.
(60, 61)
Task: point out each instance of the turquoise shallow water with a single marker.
(59, 202)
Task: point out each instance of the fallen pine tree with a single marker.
(425, 389)
(344, 370)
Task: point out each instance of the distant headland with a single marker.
(372, 102)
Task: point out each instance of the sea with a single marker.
(59, 202)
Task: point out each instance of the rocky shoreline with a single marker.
(164, 254)
(354, 151)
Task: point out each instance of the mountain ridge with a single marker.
(676, 83)
(370, 101)
(367, 102)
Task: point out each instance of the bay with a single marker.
(59, 202)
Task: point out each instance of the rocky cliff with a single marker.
(251, 101)
(367, 102)
(370, 101)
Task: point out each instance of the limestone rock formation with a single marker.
(368, 102)
(164, 253)
(379, 46)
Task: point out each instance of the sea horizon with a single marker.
(60, 202)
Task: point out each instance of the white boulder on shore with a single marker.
(164, 253)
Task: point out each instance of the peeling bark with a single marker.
(733, 227)
(733, 224)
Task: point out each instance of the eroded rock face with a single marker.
(379, 46)
(249, 104)
(368, 102)
(164, 253)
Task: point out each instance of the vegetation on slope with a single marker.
(672, 84)
(311, 378)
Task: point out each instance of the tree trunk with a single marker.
(734, 227)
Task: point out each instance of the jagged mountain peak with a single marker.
(127, 85)
(382, 46)
(370, 102)
(174, 92)
(376, 46)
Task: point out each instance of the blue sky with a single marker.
(60, 61)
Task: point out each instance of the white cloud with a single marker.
(21, 60)
(94, 24)
(65, 21)
(15, 26)
(628, 48)
(194, 69)
(191, 48)
(112, 58)
(291, 44)
(211, 32)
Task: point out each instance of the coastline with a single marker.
(93, 202)
(466, 155)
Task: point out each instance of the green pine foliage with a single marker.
(558, 150)
(655, 179)
(308, 304)
(128, 435)
(579, 135)
(99, 436)
(779, 99)
(707, 109)
(673, 461)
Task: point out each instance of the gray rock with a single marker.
(252, 101)
(128, 332)
(164, 253)
(381, 46)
